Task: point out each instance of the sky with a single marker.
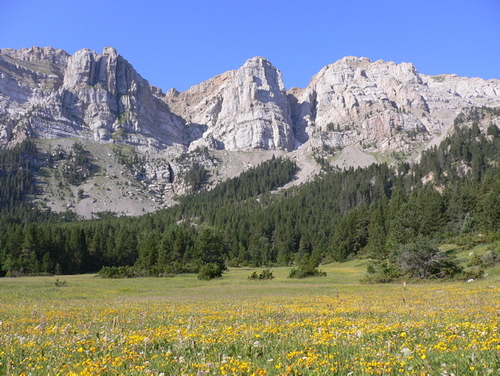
(181, 43)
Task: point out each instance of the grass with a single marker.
(85, 325)
(91, 286)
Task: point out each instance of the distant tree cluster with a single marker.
(196, 177)
(18, 167)
(78, 165)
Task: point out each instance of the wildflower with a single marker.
(406, 352)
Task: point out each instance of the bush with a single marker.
(381, 272)
(307, 267)
(117, 272)
(475, 273)
(422, 259)
(303, 271)
(59, 283)
(209, 271)
(489, 258)
(419, 259)
(265, 274)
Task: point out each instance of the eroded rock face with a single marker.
(382, 105)
(47, 94)
(238, 110)
(378, 106)
(355, 101)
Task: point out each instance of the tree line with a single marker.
(365, 212)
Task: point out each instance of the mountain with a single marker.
(147, 147)
(45, 93)
(239, 110)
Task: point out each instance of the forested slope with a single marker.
(453, 190)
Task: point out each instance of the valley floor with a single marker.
(86, 325)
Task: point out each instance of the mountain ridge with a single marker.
(352, 112)
(94, 95)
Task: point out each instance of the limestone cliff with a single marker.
(378, 106)
(238, 110)
(46, 93)
(382, 106)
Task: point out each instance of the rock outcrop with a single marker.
(381, 105)
(49, 94)
(377, 106)
(238, 110)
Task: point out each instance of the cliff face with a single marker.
(238, 110)
(382, 105)
(46, 93)
(379, 106)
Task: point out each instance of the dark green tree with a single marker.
(211, 247)
(421, 258)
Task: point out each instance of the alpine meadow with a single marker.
(351, 227)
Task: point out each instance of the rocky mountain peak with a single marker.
(37, 54)
(242, 109)
(89, 95)
(44, 92)
(107, 70)
(264, 74)
(373, 104)
(109, 51)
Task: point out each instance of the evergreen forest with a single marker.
(378, 212)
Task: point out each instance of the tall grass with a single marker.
(235, 326)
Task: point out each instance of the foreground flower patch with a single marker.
(448, 329)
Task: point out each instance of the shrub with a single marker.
(381, 272)
(490, 257)
(302, 271)
(422, 259)
(475, 273)
(419, 259)
(209, 271)
(265, 274)
(307, 267)
(59, 283)
(116, 272)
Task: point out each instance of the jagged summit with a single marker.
(87, 95)
(258, 59)
(242, 109)
(47, 93)
(351, 112)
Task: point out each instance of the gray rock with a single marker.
(243, 109)
(381, 106)
(92, 96)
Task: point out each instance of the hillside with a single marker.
(372, 160)
(143, 143)
(451, 195)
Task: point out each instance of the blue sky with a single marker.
(181, 43)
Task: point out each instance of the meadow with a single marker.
(85, 325)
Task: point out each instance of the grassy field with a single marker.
(84, 325)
